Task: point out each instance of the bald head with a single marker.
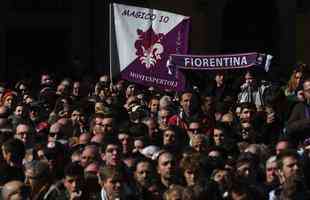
(13, 188)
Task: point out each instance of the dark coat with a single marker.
(298, 127)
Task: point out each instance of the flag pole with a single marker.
(110, 44)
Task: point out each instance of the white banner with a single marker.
(144, 39)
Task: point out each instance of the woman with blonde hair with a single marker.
(293, 83)
(291, 90)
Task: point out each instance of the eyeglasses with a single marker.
(195, 130)
(53, 134)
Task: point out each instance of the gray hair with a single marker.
(270, 160)
(39, 168)
(165, 102)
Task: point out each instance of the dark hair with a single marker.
(285, 139)
(284, 154)
(191, 162)
(138, 130)
(16, 147)
(109, 140)
(141, 159)
(74, 169)
(221, 126)
(247, 105)
(40, 169)
(247, 157)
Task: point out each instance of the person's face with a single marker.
(19, 110)
(166, 166)
(247, 131)
(249, 78)
(88, 156)
(245, 170)
(143, 173)
(126, 142)
(208, 103)
(282, 145)
(219, 78)
(28, 99)
(290, 167)
(32, 180)
(22, 88)
(306, 90)
(154, 105)
(23, 133)
(77, 117)
(138, 146)
(84, 138)
(271, 172)
(46, 80)
(33, 114)
(113, 187)
(8, 101)
(61, 89)
(246, 115)
(99, 107)
(218, 136)
(76, 89)
(198, 143)
(107, 125)
(169, 137)
(193, 128)
(163, 117)
(19, 191)
(298, 77)
(112, 155)
(190, 177)
(130, 91)
(221, 176)
(186, 101)
(152, 128)
(73, 183)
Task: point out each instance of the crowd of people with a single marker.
(118, 140)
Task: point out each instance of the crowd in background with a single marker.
(118, 140)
